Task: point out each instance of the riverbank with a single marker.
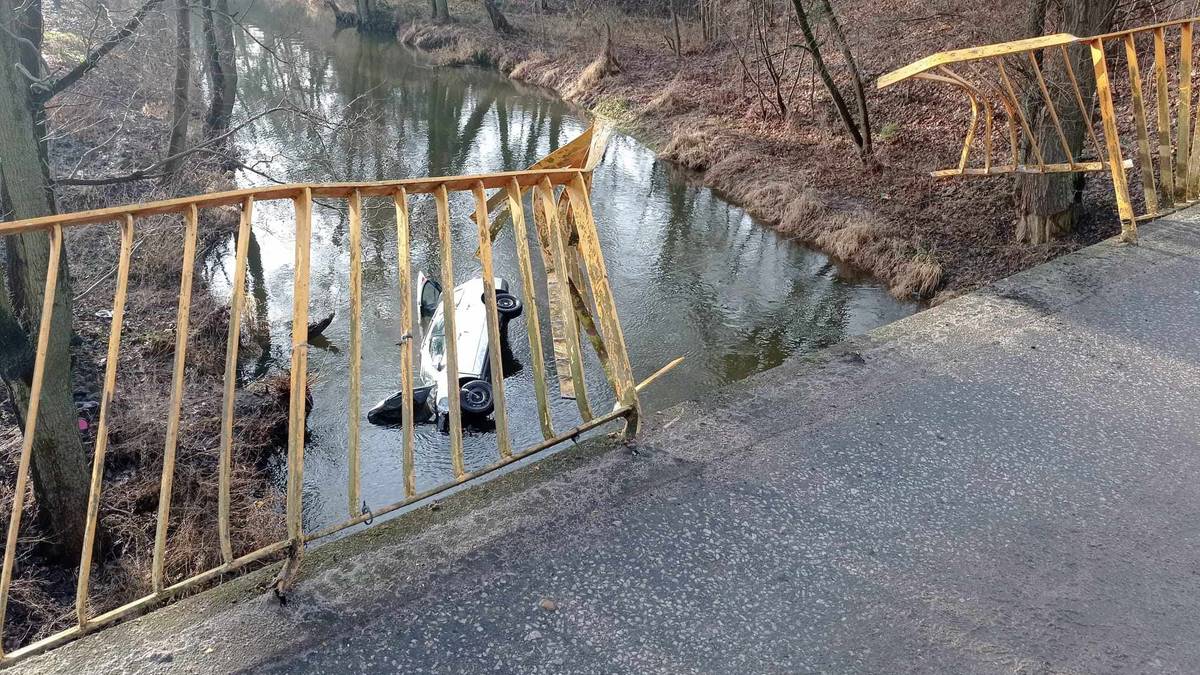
(799, 173)
(87, 141)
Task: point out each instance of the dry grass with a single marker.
(675, 99)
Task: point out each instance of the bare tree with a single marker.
(674, 43)
(764, 55)
(1048, 204)
(860, 129)
(499, 21)
(181, 108)
(221, 59)
(709, 20)
(58, 463)
(860, 95)
(441, 11)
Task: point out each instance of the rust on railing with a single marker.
(561, 199)
(986, 76)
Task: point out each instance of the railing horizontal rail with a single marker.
(525, 179)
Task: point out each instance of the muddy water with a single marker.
(693, 275)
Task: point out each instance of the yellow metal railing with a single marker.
(570, 247)
(993, 76)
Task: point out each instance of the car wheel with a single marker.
(508, 306)
(476, 398)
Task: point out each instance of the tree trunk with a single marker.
(1048, 204)
(59, 465)
(220, 52)
(180, 113)
(442, 11)
(860, 95)
(499, 22)
(839, 102)
(678, 45)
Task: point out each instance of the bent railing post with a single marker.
(1108, 117)
(31, 421)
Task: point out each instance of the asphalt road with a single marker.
(1006, 483)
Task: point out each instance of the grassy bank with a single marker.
(796, 172)
(115, 121)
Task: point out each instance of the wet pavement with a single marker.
(1006, 483)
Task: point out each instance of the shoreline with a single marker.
(926, 240)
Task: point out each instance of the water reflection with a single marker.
(693, 276)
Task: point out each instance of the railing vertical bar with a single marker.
(1193, 178)
(1143, 134)
(31, 420)
(1062, 137)
(106, 397)
(606, 306)
(299, 368)
(1011, 120)
(974, 96)
(407, 339)
(1165, 167)
(496, 363)
(449, 325)
(1015, 105)
(355, 408)
(1117, 165)
(1184, 120)
(532, 320)
(558, 250)
(237, 305)
(1083, 107)
(191, 218)
(987, 137)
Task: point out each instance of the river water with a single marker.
(693, 275)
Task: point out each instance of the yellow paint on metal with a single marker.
(574, 299)
(191, 218)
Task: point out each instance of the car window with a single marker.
(437, 336)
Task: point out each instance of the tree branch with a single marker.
(57, 86)
(144, 173)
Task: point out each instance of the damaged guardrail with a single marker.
(581, 302)
(1005, 75)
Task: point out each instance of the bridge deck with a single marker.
(1007, 482)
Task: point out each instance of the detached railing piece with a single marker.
(987, 76)
(560, 198)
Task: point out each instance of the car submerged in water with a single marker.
(431, 402)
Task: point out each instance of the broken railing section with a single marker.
(577, 281)
(997, 80)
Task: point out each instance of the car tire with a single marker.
(508, 306)
(476, 398)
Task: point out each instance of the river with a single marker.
(693, 275)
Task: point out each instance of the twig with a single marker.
(107, 274)
(145, 172)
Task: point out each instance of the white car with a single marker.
(474, 390)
